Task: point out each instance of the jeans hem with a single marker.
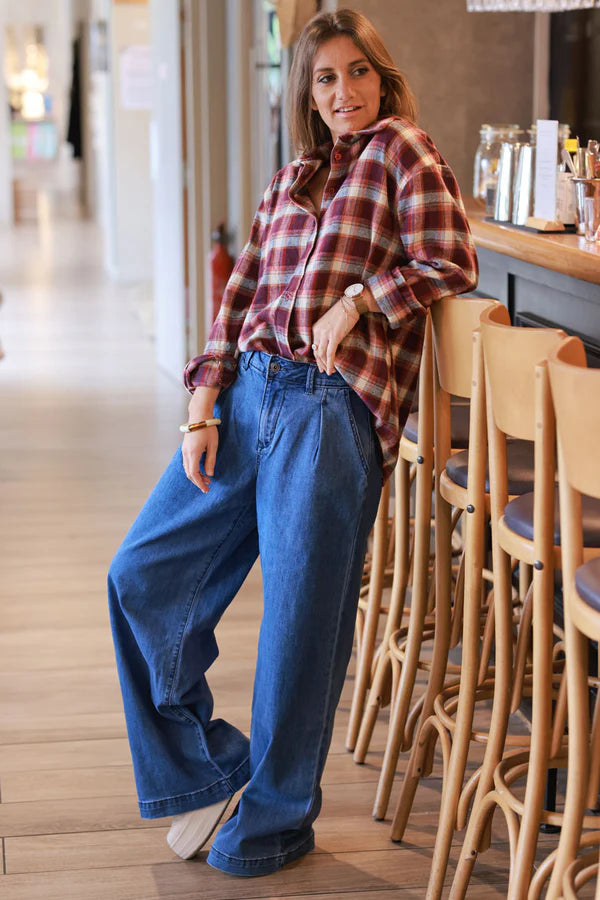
(233, 865)
(218, 790)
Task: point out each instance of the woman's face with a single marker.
(346, 89)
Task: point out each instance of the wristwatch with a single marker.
(355, 293)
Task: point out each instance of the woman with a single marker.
(309, 373)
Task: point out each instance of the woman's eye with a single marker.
(324, 79)
(360, 71)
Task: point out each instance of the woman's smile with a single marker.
(347, 110)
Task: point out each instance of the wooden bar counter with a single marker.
(549, 277)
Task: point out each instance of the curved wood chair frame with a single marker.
(516, 368)
(454, 321)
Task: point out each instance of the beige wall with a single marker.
(465, 68)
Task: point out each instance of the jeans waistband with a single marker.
(293, 372)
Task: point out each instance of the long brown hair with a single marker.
(307, 128)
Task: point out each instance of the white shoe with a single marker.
(191, 830)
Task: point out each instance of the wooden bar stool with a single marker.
(575, 392)
(462, 484)
(399, 658)
(417, 455)
(519, 404)
(409, 453)
(511, 355)
(454, 320)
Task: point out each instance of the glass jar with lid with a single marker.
(485, 172)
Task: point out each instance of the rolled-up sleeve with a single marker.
(217, 366)
(440, 254)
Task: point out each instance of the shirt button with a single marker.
(337, 156)
(275, 367)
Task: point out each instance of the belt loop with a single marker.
(310, 378)
(246, 357)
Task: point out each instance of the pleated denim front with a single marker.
(298, 481)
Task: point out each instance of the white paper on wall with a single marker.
(136, 79)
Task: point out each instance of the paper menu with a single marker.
(545, 169)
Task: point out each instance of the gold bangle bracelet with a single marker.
(196, 426)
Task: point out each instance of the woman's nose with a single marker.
(344, 88)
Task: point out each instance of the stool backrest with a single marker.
(511, 355)
(454, 321)
(576, 396)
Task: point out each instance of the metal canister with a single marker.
(503, 207)
(522, 203)
(587, 207)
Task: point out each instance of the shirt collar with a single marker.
(323, 151)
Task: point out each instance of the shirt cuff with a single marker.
(394, 298)
(208, 371)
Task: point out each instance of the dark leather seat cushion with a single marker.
(518, 515)
(520, 467)
(587, 582)
(411, 427)
(459, 425)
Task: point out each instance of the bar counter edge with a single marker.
(543, 279)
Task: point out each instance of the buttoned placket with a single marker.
(291, 291)
(337, 173)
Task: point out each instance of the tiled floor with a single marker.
(86, 425)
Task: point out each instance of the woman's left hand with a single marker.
(328, 333)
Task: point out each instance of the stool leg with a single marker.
(579, 755)
(418, 604)
(499, 717)
(543, 616)
(369, 633)
(478, 826)
(594, 779)
(503, 668)
(461, 738)
(522, 650)
(435, 684)
(399, 584)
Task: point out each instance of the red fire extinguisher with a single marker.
(221, 267)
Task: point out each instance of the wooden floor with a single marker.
(86, 426)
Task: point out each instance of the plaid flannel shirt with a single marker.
(391, 218)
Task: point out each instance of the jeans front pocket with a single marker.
(360, 419)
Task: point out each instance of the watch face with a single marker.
(355, 290)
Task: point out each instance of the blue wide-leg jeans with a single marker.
(298, 481)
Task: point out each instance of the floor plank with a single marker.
(58, 784)
(62, 754)
(317, 873)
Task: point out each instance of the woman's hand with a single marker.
(204, 442)
(195, 446)
(328, 333)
